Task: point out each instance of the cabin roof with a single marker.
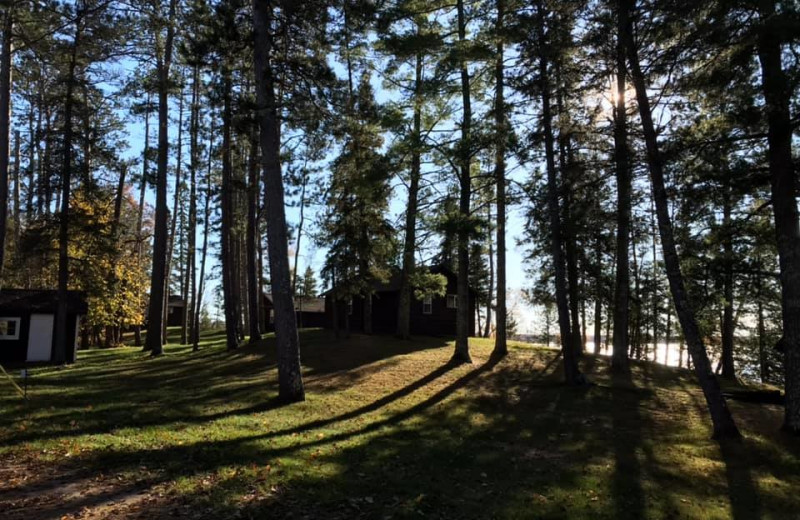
(175, 300)
(40, 300)
(308, 304)
(392, 283)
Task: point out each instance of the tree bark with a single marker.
(777, 93)
(410, 242)
(198, 300)
(174, 223)
(137, 328)
(636, 343)
(598, 300)
(32, 148)
(667, 335)
(761, 331)
(253, 190)
(461, 353)
(60, 345)
(655, 308)
(488, 325)
(154, 342)
(572, 374)
(619, 358)
(187, 332)
(17, 208)
(226, 239)
(5, 125)
(501, 124)
(728, 369)
(290, 381)
(723, 423)
(300, 225)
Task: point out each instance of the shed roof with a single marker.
(40, 300)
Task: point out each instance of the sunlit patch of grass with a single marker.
(389, 429)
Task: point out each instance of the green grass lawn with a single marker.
(389, 430)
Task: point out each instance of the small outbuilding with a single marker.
(310, 313)
(175, 313)
(27, 325)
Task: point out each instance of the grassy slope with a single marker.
(389, 431)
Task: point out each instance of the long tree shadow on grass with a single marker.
(418, 448)
(499, 440)
(234, 383)
(738, 457)
(627, 426)
(112, 460)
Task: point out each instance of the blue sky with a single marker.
(526, 315)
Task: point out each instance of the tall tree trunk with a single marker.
(175, 206)
(187, 331)
(461, 353)
(621, 313)
(777, 93)
(655, 310)
(17, 208)
(598, 300)
(198, 299)
(728, 370)
(60, 344)
(5, 125)
(501, 124)
(724, 426)
(253, 190)
(226, 238)
(667, 335)
(137, 328)
(46, 174)
(488, 324)
(583, 319)
(300, 223)
(572, 374)
(154, 342)
(761, 331)
(290, 381)
(572, 265)
(410, 242)
(636, 343)
(607, 344)
(569, 232)
(32, 147)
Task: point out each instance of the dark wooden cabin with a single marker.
(310, 313)
(175, 306)
(434, 316)
(27, 325)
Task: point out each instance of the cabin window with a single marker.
(452, 301)
(9, 328)
(350, 307)
(271, 316)
(427, 305)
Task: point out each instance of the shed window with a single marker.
(427, 305)
(9, 328)
(452, 301)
